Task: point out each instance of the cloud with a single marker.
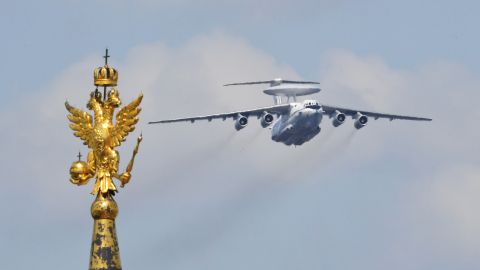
(367, 79)
(175, 81)
(441, 90)
(452, 196)
(441, 180)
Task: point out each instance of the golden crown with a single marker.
(105, 76)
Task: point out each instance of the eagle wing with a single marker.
(81, 123)
(126, 119)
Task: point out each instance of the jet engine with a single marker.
(338, 118)
(267, 119)
(361, 120)
(241, 122)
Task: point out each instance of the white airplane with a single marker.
(297, 122)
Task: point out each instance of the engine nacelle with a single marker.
(267, 119)
(360, 120)
(241, 122)
(338, 118)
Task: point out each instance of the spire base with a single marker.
(105, 253)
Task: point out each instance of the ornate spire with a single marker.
(102, 136)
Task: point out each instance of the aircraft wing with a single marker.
(330, 110)
(277, 109)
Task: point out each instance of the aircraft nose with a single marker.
(314, 107)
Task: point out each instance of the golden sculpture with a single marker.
(101, 135)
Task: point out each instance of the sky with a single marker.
(393, 195)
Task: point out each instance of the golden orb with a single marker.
(104, 207)
(79, 172)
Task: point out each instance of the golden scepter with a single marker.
(125, 177)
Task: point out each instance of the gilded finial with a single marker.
(106, 75)
(102, 134)
(106, 56)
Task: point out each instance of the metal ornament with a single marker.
(102, 137)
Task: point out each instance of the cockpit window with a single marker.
(312, 105)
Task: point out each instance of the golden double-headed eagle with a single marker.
(101, 135)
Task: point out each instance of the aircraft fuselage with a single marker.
(300, 125)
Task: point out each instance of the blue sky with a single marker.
(405, 33)
(394, 195)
